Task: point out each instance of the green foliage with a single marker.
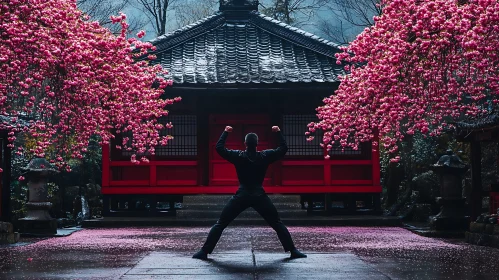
(424, 152)
(18, 199)
(85, 172)
(89, 168)
(489, 152)
(417, 154)
(52, 190)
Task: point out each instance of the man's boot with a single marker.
(295, 254)
(201, 255)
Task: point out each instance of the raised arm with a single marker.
(230, 155)
(278, 153)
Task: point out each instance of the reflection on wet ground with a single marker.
(247, 252)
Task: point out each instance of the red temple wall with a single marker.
(191, 165)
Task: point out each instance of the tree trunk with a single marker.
(476, 179)
(286, 11)
(395, 176)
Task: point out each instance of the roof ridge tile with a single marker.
(257, 50)
(186, 28)
(296, 29)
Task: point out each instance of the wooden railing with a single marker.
(289, 176)
(329, 172)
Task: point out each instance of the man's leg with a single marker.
(232, 209)
(264, 206)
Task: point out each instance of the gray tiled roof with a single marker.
(6, 122)
(482, 122)
(246, 48)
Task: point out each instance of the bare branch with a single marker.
(102, 10)
(149, 10)
(291, 11)
(350, 17)
(189, 11)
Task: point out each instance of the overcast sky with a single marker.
(311, 27)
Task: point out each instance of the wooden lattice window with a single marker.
(184, 132)
(294, 128)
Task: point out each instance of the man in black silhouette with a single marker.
(251, 166)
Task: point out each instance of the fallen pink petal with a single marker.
(110, 253)
(249, 139)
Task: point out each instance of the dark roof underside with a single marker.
(218, 50)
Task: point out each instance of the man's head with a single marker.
(251, 140)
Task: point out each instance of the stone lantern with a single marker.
(452, 216)
(38, 219)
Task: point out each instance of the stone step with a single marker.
(211, 206)
(248, 213)
(484, 228)
(217, 202)
(9, 238)
(222, 199)
(220, 206)
(482, 239)
(7, 234)
(6, 227)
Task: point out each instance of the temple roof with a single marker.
(480, 123)
(468, 128)
(7, 122)
(240, 45)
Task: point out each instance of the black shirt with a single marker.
(251, 165)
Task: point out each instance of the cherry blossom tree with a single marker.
(71, 79)
(423, 65)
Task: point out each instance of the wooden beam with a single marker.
(476, 180)
(376, 166)
(106, 159)
(307, 88)
(203, 139)
(1, 183)
(6, 166)
(275, 115)
(231, 189)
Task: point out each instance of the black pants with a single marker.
(237, 204)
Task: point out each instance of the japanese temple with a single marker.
(477, 132)
(241, 68)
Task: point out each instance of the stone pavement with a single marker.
(247, 253)
(253, 265)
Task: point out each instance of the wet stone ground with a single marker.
(247, 253)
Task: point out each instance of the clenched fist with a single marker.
(228, 128)
(276, 129)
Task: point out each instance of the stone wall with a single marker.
(484, 234)
(7, 234)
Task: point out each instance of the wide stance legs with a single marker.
(237, 204)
